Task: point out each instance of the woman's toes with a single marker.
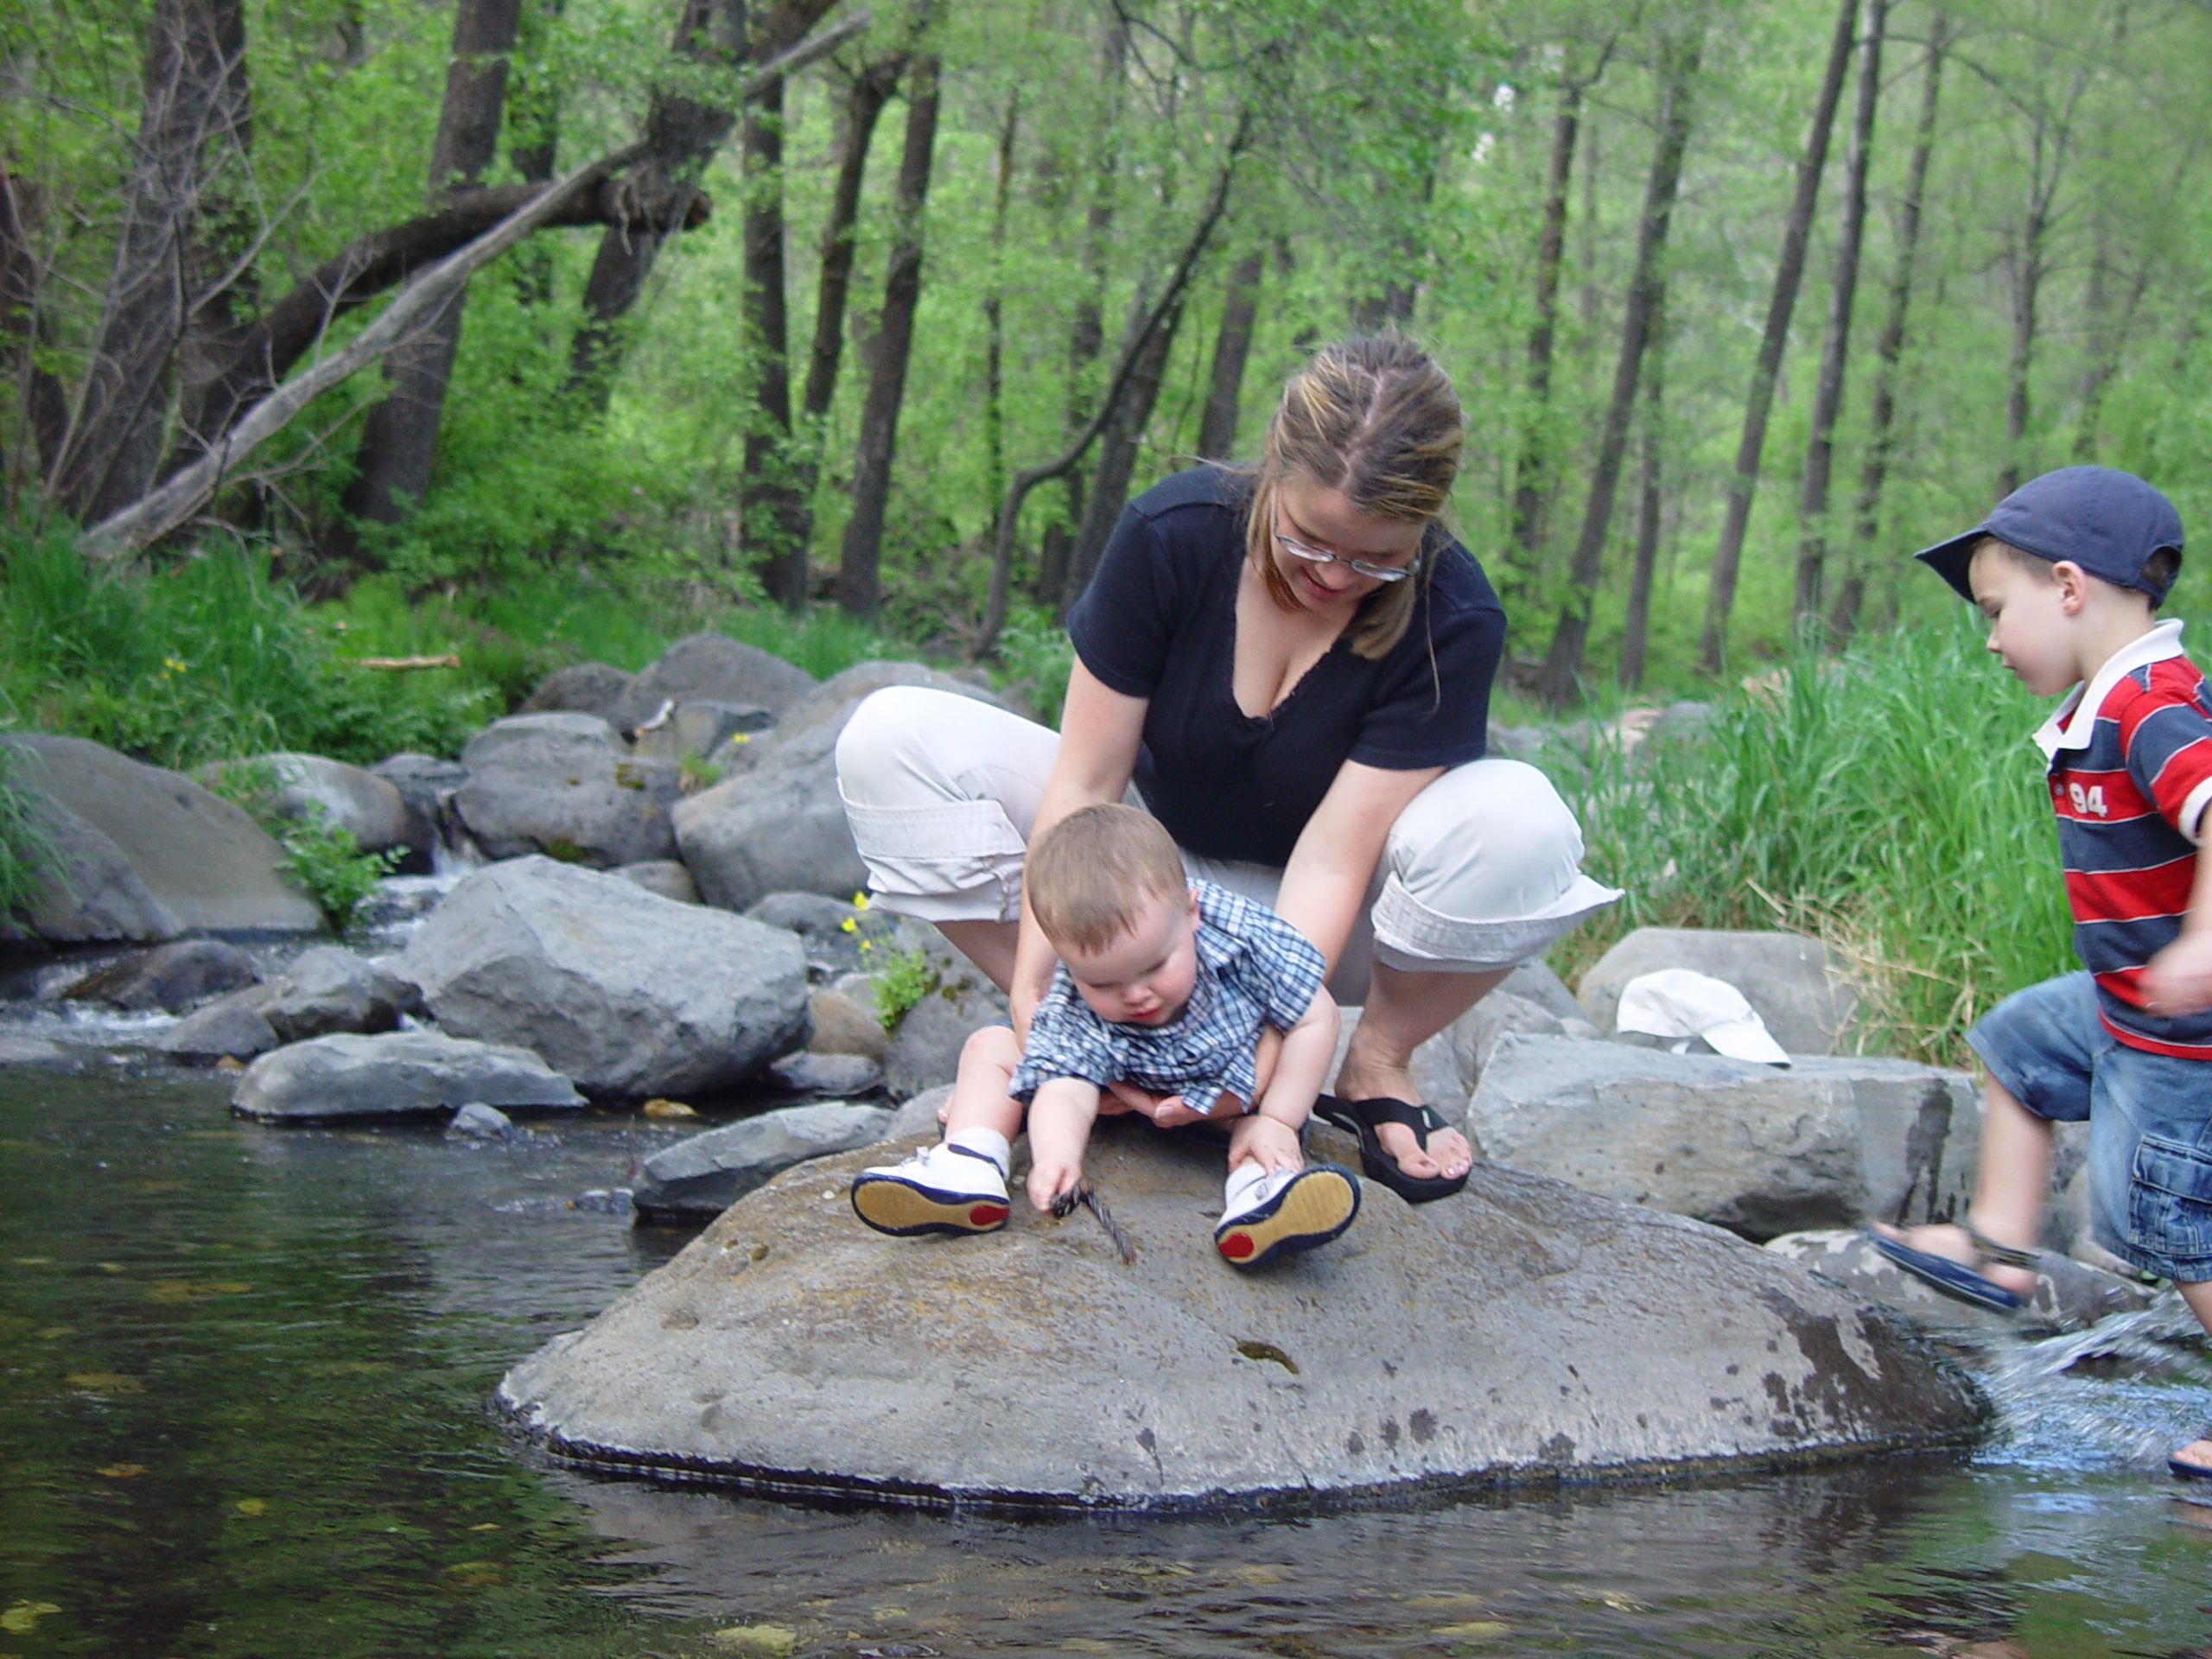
(1398, 1143)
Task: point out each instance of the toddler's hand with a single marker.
(1050, 1177)
(2178, 980)
(1274, 1145)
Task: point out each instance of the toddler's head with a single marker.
(1106, 887)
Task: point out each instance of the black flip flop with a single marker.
(1359, 1117)
(2188, 1471)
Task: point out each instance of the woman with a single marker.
(1291, 664)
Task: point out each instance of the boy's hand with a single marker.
(2178, 980)
(1276, 1145)
(1050, 1177)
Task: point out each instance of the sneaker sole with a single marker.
(1311, 1210)
(904, 1209)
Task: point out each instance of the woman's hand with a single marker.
(1168, 1111)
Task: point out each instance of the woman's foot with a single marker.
(1954, 1244)
(1448, 1155)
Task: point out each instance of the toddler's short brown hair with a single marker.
(1088, 875)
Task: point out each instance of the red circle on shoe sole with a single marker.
(1236, 1246)
(987, 1215)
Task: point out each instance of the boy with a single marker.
(2069, 569)
(1164, 983)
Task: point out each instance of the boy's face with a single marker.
(1144, 975)
(2031, 626)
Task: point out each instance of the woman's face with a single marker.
(1324, 521)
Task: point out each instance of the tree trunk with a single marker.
(773, 532)
(1119, 440)
(1232, 347)
(108, 455)
(1087, 330)
(400, 436)
(1677, 70)
(857, 572)
(1170, 298)
(683, 134)
(1828, 392)
(1843, 618)
(1531, 471)
(871, 89)
(43, 406)
(534, 129)
(995, 310)
(1635, 625)
(1789, 272)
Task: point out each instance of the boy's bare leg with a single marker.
(2199, 1298)
(2009, 1191)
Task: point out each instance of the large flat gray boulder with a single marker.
(397, 1073)
(1522, 1330)
(777, 825)
(1788, 978)
(698, 1178)
(626, 992)
(145, 854)
(1759, 1150)
(566, 785)
(710, 667)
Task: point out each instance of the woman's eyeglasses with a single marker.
(1298, 550)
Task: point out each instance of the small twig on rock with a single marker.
(1083, 1194)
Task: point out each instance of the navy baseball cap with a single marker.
(2109, 523)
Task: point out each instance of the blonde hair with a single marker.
(1375, 418)
(1089, 874)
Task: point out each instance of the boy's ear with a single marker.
(2073, 584)
(1193, 893)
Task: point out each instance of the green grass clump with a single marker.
(24, 849)
(1888, 801)
(200, 659)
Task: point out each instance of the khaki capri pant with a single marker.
(1480, 871)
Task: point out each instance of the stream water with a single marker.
(243, 1375)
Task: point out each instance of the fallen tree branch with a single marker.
(154, 515)
(1187, 264)
(370, 264)
(451, 659)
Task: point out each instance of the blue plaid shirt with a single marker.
(1255, 968)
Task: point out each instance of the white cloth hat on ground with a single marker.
(1676, 1002)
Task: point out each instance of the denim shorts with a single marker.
(2150, 1116)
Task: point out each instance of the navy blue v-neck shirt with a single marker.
(1159, 621)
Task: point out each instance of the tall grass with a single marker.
(1889, 801)
(206, 660)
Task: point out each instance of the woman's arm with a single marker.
(1099, 729)
(1326, 883)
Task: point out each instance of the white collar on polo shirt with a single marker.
(2062, 731)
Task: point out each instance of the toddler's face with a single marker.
(1143, 975)
(2030, 631)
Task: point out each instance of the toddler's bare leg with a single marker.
(979, 1088)
(2009, 1191)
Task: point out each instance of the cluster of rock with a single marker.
(664, 903)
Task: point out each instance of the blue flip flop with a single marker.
(2189, 1471)
(1951, 1278)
